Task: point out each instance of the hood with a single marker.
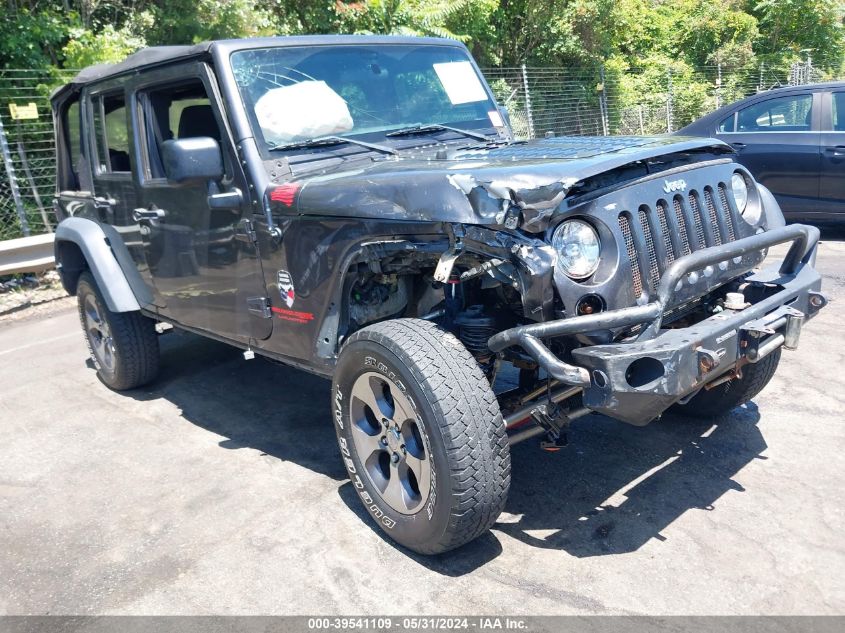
(517, 185)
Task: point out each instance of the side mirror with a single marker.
(195, 159)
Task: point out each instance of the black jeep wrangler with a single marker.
(358, 208)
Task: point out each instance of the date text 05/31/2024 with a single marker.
(431, 623)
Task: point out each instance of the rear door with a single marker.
(778, 140)
(203, 262)
(109, 165)
(832, 182)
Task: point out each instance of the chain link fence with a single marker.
(561, 101)
(27, 152)
(638, 101)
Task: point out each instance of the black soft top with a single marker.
(158, 55)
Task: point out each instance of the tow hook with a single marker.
(554, 420)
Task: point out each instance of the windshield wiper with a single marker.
(333, 140)
(437, 127)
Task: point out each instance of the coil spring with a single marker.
(474, 330)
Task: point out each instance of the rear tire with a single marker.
(123, 345)
(421, 434)
(729, 395)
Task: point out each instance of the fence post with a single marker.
(669, 100)
(605, 124)
(718, 86)
(13, 180)
(528, 112)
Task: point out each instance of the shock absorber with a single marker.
(454, 298)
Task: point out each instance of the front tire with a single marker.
(123, 345)
(421, 434)
(723, 398)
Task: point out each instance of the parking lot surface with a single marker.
(218, 489)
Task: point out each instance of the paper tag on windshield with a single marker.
(460, 82)
(496, 118)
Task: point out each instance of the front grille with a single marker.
(656, 236)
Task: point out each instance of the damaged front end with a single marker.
(639, 377)
(652, 318)
(675, 304)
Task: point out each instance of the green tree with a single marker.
(408, 17)
(792, 27)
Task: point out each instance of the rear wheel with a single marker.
(421, 434)
(123, 345)
(733, 393)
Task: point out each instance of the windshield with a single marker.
(298, 93)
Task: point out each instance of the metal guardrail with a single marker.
(27, 254)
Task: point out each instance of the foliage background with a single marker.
(593, 66)
(621, 33)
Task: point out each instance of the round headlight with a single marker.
(739, 189)
(578, 248)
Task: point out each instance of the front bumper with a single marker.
(636, 381)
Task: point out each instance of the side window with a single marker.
(70, 149)
(782, 114)
(110, 133)
(839, 111)
(176, 111)
(727, 124)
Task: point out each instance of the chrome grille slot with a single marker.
(682, 226)
(726, 210)
(696, 213)
(664, 230)
(627, 236)
(711, 210)
(653, 269)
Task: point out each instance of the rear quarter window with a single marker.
(727, 124)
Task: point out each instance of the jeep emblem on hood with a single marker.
(671, 186)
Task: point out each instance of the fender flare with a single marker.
(100, 252)
(771, 209)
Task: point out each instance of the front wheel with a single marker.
(421, 434)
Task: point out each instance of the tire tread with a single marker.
(135, 336)
(469, 417)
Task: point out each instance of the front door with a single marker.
(778, 141)
(203, 263)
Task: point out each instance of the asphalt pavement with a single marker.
(219, 490)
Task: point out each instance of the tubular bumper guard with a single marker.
(636, 381)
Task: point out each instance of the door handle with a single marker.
(148, 214)
(104, 203)
(738, 145)
(838, 151)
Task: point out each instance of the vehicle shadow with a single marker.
(280, 411)
(832, 233)
(617, 486)
(611, 491)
